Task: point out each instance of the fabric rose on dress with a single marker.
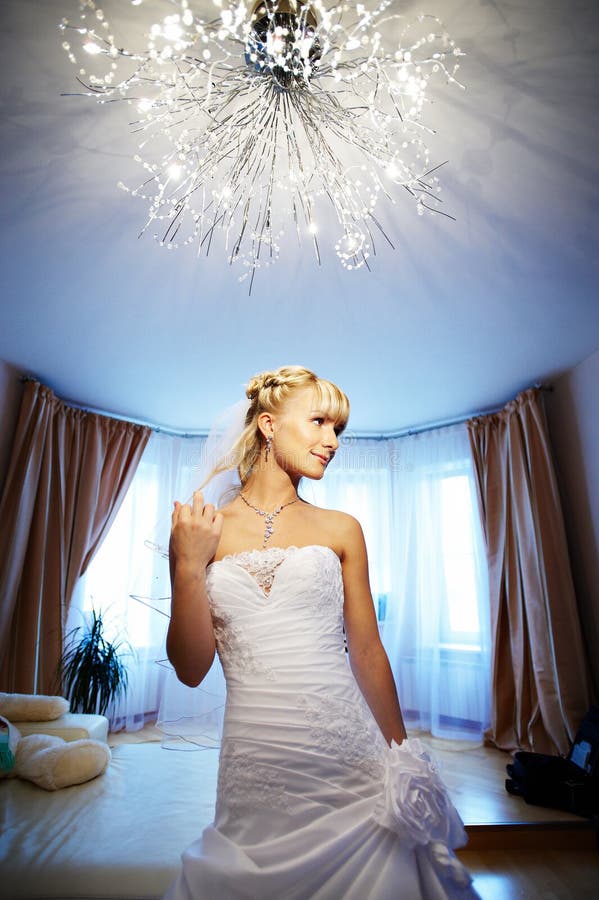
(414, 802)
(415, 805)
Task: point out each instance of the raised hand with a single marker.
(195, 532)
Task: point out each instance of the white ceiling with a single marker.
(456, 320)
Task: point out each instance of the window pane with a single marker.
(107, 581)
(458, 555)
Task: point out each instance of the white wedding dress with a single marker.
(311, 801)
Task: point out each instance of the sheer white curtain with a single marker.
(124, 565)
(416, 501)
(415, 498)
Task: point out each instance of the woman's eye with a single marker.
(319, 420)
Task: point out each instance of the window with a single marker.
(461, 622)
(121, 565)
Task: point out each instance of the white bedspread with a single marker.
(119, 836)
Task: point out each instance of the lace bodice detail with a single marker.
(261, 564)
(235, 649)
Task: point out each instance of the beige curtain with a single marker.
(68, 474)
(540, 686)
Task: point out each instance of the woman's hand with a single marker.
(190, 642)
(195, 532)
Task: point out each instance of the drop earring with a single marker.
(268, 446)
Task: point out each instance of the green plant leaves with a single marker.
(92, 672)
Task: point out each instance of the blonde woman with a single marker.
(319, 793)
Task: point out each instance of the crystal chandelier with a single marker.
(275, 116)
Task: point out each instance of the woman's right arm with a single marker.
(195, 534)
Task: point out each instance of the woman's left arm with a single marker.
(367, 656)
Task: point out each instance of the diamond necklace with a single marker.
(268, 516)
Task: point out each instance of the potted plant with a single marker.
(91, 669)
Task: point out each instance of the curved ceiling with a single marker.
(455, 320)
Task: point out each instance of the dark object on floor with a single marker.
(570, 783)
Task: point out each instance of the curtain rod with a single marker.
(369, 435)
(432, 426)
(121, 417)
(421, 429)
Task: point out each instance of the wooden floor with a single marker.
(514, 850)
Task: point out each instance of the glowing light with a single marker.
(172, 31)
(274, 112)
(175, 171)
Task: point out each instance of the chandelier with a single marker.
(274, 116)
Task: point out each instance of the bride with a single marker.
(320, 794)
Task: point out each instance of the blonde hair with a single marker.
(268, 392)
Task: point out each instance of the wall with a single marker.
(10, 401)
(573, 418)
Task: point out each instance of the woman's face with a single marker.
(304, 436)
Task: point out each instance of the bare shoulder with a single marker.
(350, 530)
(346, 525)
(343, 532)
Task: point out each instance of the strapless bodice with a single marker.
(277, 609)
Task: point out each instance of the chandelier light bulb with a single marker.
(92, 48)
(271, 116)
(175, 171)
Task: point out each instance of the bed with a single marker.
(119, 836)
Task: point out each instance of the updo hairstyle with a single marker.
(268, 392)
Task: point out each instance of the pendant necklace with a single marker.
(268, 516)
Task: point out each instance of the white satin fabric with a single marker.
(311, 801)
